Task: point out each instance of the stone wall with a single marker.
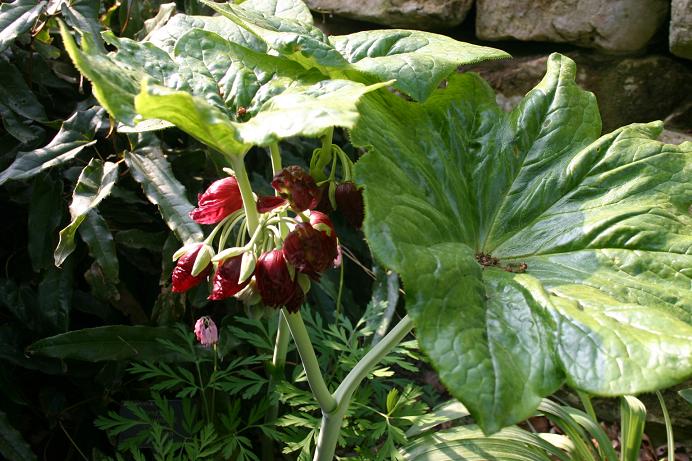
(635, 55)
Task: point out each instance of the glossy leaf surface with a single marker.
(93, 185)
(16, 18)
(114, 342)
(592, 239)
(418, 60)
(76, 133)
(151, 169)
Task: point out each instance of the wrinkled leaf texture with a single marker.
(602, 225)
(216, 79)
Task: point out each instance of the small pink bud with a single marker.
(220, 199)
(206, 332)
(182, 276)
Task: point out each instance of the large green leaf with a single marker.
(151, 169)
(294, 38)
(167, 36)
(418, 60)
(592, 238)
(16, 18)
(93, 185)
(113, 86)
(76, 133)
(290, 9)
(114, 342)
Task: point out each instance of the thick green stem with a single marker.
(275, 155)
(282, 334)
(249, 204)
(332, 421)
(307, 356)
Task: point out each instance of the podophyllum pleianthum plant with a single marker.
(533, 251)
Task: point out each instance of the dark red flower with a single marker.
(309, 250)
(182, 276)
(322, 223)
(225, 282)
(295, 185)
(219, 200)
(274, 283)
(269, 202)
(325, 205)
(349, 200)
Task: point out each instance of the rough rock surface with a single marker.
(616, 26)
(681, 28)
(628, 89)
(416, 14)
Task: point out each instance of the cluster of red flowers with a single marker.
(309, 248)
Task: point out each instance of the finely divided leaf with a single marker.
(532, 252)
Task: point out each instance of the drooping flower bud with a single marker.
(182, 276)
(274, 282)
(349, 200)
(267, 203)
(220, 199)
(309, 250)
(226, 279)
(295, 185)
(322, 223)
(206, 331)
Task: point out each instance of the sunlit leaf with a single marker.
(532, 251)
(94, 184)
(418, 60)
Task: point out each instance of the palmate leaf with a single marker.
(592, 238)
(417, 60)
(205, 82)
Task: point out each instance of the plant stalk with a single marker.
(245, 187)
(332, 421)
(307, 356)
(282, 334)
